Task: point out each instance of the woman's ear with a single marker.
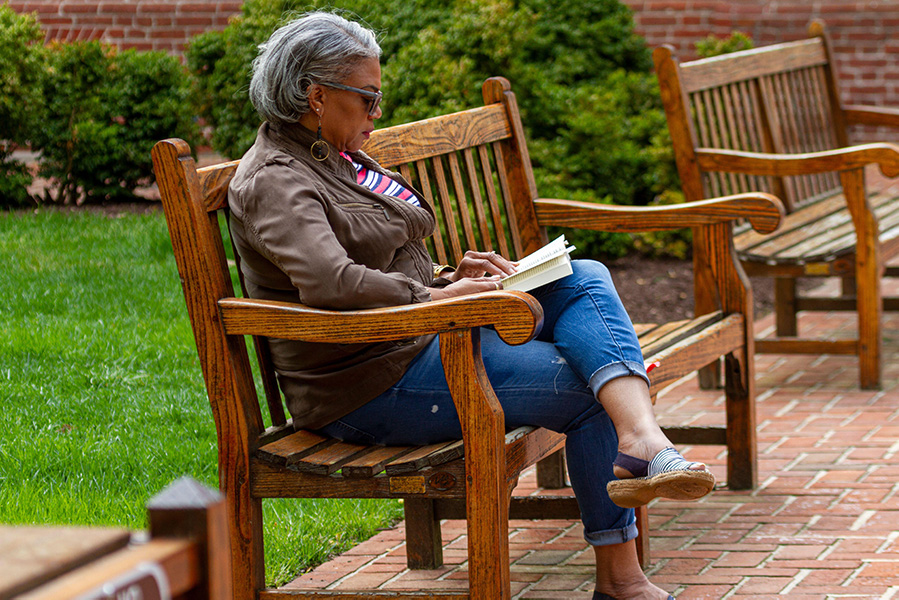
(316, 98)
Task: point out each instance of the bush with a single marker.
(714, 46)
(581, 75)
(21, 73)
(104, 111)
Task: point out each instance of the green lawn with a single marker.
(102, 397)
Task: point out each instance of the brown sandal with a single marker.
(667, 475)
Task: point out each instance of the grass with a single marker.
(102, 396)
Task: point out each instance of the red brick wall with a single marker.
(142, 24)
(864, 32)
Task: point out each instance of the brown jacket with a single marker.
(306, 232)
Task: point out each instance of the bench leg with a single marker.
(642, 515)
(710, 376)
(424, 544)
(551, 471)
(868, 271)
(785, 306)
(742, 455)
(870, 309)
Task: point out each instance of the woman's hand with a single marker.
(467, 285)
(477, 272)
(478, 264)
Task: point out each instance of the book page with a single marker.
(543, 266)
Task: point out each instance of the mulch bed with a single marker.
(658, 290)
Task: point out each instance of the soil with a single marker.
(658, 290)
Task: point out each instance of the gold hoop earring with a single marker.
(320, 149)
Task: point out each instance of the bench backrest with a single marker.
(776, 99)
(472, 166)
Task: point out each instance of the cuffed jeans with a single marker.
(586, 341)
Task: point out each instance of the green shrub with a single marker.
(104, 111)
(714, 46)
(582, 77)
(21, 73)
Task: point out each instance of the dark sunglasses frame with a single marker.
(374, 97)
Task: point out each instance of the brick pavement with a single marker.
(823, 523)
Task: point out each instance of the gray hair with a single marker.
(317, 47)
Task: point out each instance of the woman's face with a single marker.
(345, 121)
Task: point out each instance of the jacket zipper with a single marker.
(374, 206)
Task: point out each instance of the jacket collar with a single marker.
(298, 140)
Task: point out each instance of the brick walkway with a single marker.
(823, 523)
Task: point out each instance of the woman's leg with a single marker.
(536, 386)
(585, 319)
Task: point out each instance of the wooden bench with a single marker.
(185, 555)
(473, 167)
(771, 119)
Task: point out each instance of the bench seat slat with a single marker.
(292, 448)
(679, 331)
(815, 233)
(419, 458)
(374, 462)
(331, 458)
(842, 239)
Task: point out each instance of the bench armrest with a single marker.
(516, 316)
(857, 114)
(780, 165)
(763, 211)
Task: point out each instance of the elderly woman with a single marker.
(317, 221)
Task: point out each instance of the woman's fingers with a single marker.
(486, 262)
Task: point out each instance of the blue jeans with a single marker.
(586, 341)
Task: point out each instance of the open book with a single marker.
(547, 264)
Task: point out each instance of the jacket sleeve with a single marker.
(285, 218)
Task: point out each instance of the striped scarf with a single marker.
(381, 184)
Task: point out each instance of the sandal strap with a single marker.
(667, 460)
(636, 466)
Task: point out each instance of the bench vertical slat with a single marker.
(463, 215)
(511, 215)
(424, 185)
(477, 200)
(447, 211)
(495, 210)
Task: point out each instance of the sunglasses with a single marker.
(374, 98)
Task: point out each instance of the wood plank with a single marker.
(477, 201)
(679, 333)
(299, 594)
(271, 481)
(496, 212)
(287, 450)
(372, 463)
(438, 135)
(528, 448)
(214, 181)
(693, 434)
(696, 351)
(178, 561)
(32, 556)
(805, 346)
(421, 167)
(758, 62)
(751, 243)
(447, 211)
(419, 458)
(330, 458)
